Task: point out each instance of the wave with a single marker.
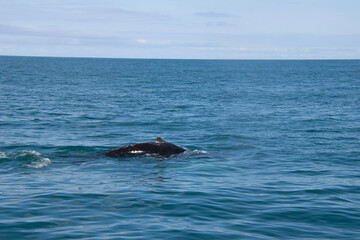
(3, 155)
(28, 158)
(35, 160)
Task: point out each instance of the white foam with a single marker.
(37, 161)
(40, 163)
(29, 152)
(200, 151)
(3, 155)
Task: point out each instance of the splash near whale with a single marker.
(159, 147)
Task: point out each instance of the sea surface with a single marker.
(274, 149)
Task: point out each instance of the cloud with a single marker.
(141, 41)
(55, 41)
(53, 36)
(118, 13)
(220, 24)
(213, 15)
(20, 30)
(81, 12)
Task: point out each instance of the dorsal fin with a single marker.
(159, 139)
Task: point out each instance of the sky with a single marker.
(182, 29)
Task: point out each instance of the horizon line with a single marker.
(228, 59)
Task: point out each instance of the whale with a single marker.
(160, 147)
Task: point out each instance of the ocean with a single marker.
(274, 149)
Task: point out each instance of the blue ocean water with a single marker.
(274, 149)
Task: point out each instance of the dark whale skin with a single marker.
(159, 147)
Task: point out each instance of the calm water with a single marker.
(275, 149)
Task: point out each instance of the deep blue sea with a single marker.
(274, 149)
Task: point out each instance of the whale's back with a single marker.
(159, 147)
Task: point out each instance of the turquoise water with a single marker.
(274, 149)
